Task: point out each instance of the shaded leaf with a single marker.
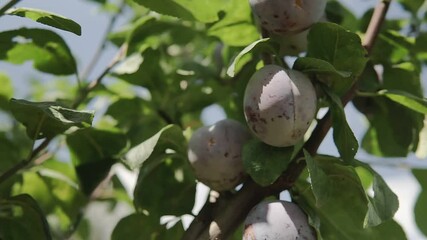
(265, 163)
(421, 203)
(170, 136)
(314, 65)
(45, 48)
(22, 217)
(334, 44)
(47, 119)
(344, 138)
(236, 28)
(47, 18)
(334, 186)
(94, 149)
(173, 174)
(129, 227)
(344, 192)
(384, 204)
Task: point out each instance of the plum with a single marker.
(279, 105)
(215, 154)
(292, 44)
(277, 220)
(284, 16)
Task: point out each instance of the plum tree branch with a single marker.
(225, 218)
(8, 6)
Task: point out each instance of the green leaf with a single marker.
(47, 18)
(412, 5)
(259, 45)
(265, 163)
(45, 48)
(203, 11)
(343, 191)
(22, 217)
(319, 66)
(320, 182)
(337, 13)
(129, 227)
(6, 91)
(406, 99)
(421, 204)
(344, 138)
(54, 186)
(93, 152)
(421, 151)
(236, 28)
(172, 174)
(389, 135)
(48, 119)
(169, 137)
(332, 186)
(334, 44)
(384, 203)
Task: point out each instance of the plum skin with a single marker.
(277, 220)
(279, 105)
(285, 16)
(215, 154)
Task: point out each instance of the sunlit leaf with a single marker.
(406, 99)
(204, 11)
(47, 18)
(262, 44)
(45, 48)
(47, 119)
(170, 136)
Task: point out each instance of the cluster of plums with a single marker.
(279, 106)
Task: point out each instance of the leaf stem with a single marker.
(8, 6)
(225, 218)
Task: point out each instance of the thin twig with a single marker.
(103, 44)
(84, 92)
(8, 6)
(234, 212)
(34, 153)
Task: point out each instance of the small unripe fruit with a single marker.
(277, 220)
(279, 105)
(284, 16)
(215, 153)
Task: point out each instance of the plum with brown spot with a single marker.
(215, 154)
(277, 220)
(285, 16)
(293, 106)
